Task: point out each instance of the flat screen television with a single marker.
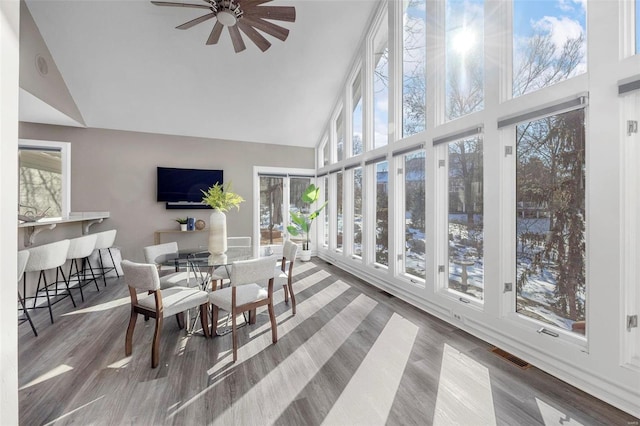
(185, 185)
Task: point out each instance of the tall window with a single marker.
(549, 43)
(414, 214)
(381, 88)
(271, 210)
(550, 226)
(340, 136)
(43, 176)
(637, 27)
(414, 54)
(464, 92)
(357, 211)
(325, 212)
(466, 217)
(356, 118)
(326, 154)
(297, 185)
(339, 218)
(382, 213)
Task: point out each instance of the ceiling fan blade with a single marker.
(267, 27)
(280, 13)
(168, 3)
(196, 21)
(236, 39)
(215, 33)
(251, 3)
(262, 43)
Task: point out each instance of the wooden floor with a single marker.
(351, 355)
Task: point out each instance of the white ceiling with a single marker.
(128, 68)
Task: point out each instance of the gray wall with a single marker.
(115, 171)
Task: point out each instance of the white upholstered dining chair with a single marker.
(177, 278)
(159, 303)
(222, 273)
(284, 272)
(246, 293)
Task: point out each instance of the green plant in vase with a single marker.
(183, 223)
(221, 199)
(303, 221)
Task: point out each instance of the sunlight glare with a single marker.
(552, 416)
(463, 41)
(101, 307)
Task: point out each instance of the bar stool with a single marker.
(80, 249)
(42, 259)
(23, 256)
(105, 242)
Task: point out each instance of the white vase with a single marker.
(217, 232)
(183, 226)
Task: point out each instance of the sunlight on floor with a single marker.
(74, 411)
(256, 345)
(464, 391)
(61, 369)
(368, 397)
(101, 307)
(552, 416)
(295, 370)
(124, 362)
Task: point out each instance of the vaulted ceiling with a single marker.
(128, 68)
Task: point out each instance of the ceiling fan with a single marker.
(246, 15)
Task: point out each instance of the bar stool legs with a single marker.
(26, 313)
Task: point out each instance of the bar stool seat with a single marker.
(80, 249)
(48, 257)
(104, 243)
(23, 256)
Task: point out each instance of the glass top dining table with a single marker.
(201, 263)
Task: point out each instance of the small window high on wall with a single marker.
(381, 87)
(414, 55)
(549, 43)
(357, 146)
(464, 91)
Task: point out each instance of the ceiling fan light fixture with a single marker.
(228, 12)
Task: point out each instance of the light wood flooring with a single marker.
(351, 355)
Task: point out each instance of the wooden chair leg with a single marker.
(204, 313)
(128, 346)
(274, 325)
(155, 349)
(286, 293)
(234, 336)
(180, 320)
(293, 298)
(252, 316)
(214, 320)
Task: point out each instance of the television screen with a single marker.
(175, 185)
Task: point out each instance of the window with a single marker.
(637, 27)
(464, 92)
(44, 178)
(550, 223)
(356, 118)
(381, 88)
(297, 185)
(280, 194)
(549, 43)
(325, 212)
(414, 214)
(326, 154)
(339, 219)
(414, 53)
(382, 213)
(340, 136)
(357, 211)
(271, 210)
(466, 217)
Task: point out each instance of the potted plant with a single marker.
(303, 221)
(183, 223)
(221, 199)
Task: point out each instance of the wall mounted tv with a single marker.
(182, 188)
